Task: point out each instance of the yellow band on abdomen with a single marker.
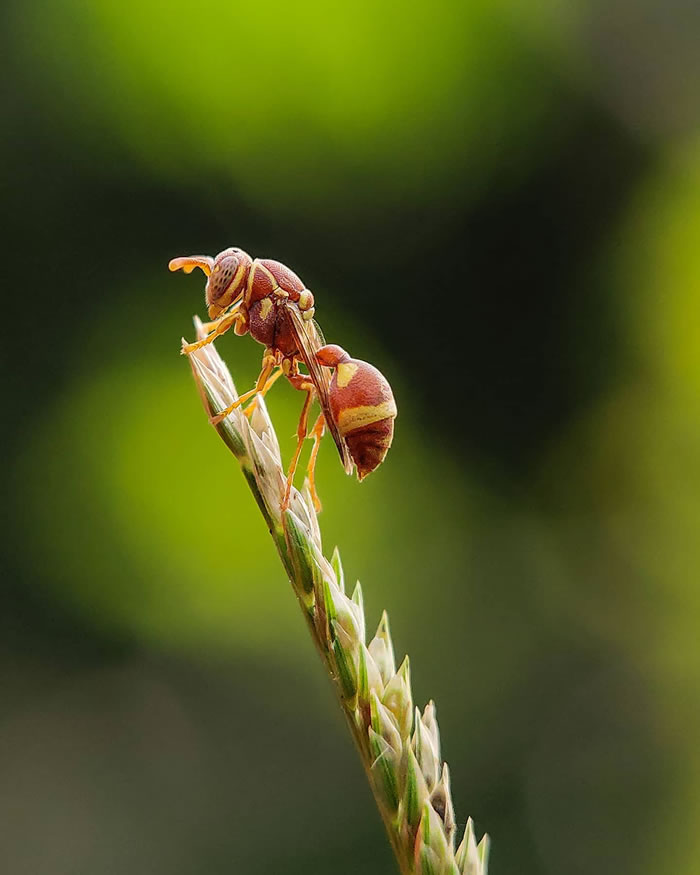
(357, 417)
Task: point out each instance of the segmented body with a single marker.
(265, 298)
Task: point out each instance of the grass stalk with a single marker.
(399, 745)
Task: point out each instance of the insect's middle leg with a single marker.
(269, 364)
(303, 383)
(261, 394)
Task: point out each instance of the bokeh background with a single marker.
(496, 202)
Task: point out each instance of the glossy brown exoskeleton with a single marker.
(266, 299)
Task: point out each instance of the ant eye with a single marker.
(221, 278)
(226, 281)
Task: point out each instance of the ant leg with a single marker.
(217, 328)
(269, 364)
(317, 433)
(302, 384)
(265, 389)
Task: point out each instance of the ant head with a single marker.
(227, 280)
(227, 275)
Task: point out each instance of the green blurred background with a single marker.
(498, 203)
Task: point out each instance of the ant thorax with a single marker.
(268, 323)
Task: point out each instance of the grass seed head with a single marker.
(399, 745)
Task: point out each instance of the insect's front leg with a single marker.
(237, 320)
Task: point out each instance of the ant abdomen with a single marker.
(363, 407)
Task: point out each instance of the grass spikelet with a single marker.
(399, 747)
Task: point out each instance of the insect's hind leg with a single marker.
(303, 383)
(316, 433)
